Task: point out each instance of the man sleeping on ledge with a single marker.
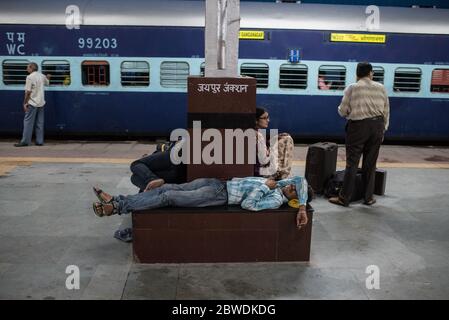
(252, 193)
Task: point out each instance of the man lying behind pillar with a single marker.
(252, 193)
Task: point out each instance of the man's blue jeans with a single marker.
(202, 192)
(34, 119)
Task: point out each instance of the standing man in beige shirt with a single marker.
(366, 107)
(33, 106)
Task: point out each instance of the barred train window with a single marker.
(174, 74)
(440, 81)
(15, 72)
(135, 74)
(59, 71)
(258, 71)
(379, 73)
(202, 69)
(331, 78)
(407, 80)
(293, 76)
(95, 73)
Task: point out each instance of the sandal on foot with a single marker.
(104, 209)
(337, 200)
(370, 202)
(102, 196)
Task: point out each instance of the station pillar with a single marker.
(227, 106)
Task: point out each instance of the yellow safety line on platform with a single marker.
(26, 160)
(4, 169)
(8, 166)
(65, 160)
(410, 165)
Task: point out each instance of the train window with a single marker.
(59, 71)
(258, 71)
(407, 80)
(331, 78)
(440, 81)
(15, 72)
(202, 69)
(95, 73)
(174, 74)
(293, 76)
(379, 73)
(135, 74)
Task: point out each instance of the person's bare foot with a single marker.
(102, 196)
(154, 184)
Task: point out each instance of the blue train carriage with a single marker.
(122, 70)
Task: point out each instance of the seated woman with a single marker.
(279, 159)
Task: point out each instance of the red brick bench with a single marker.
(219, 234)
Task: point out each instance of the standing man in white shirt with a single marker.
(33, 106)
(366, 107)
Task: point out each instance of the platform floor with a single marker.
(47, 224)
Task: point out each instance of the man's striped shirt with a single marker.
(365, 99)
(253, 194)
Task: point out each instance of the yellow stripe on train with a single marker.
(252, 34)
(358, 37)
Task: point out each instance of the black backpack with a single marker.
(335, 183)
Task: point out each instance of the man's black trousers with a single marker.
(362, 137)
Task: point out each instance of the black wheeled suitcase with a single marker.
(321, 163)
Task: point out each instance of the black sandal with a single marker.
(100, 210)
(370, 202)
(98, 192)
(337, 200)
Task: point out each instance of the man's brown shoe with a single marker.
(370, 202)
(337, 200)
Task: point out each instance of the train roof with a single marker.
(253, 15)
